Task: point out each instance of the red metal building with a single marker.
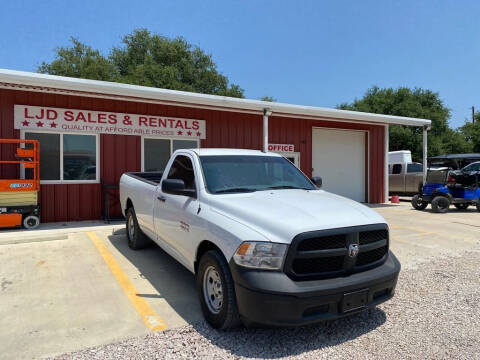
(82, 124)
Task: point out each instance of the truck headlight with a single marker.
(260, 255)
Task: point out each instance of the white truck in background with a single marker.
(401, 156)
(265, 243)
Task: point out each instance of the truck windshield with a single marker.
(237, 173)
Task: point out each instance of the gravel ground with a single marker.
(435, 314)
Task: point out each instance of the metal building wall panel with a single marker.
(299, 132)
(121, 153)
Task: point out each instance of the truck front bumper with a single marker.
(272, 298)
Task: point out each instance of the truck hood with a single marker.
(279, 215)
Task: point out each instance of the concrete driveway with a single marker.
(421, 236)
(68, 288)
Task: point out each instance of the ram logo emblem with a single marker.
(353, 250)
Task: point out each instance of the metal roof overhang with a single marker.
(29, 81)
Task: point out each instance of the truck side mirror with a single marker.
(177, 187)
(317, 180)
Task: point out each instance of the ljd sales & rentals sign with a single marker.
(41, 118)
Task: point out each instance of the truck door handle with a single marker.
(161, 198)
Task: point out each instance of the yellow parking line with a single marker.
(148, 315)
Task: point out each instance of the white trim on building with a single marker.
(84, 87)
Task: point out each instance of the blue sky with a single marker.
(304, 52)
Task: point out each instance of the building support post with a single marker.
(266, 114)
(387, 147)
(425, 147)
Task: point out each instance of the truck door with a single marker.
(175, 216)
(396, 178)
(414, 177)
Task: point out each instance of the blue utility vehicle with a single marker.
(440, 190)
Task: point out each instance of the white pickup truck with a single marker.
(266, 244)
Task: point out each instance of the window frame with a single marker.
(62, 181)
(171, 139)
(193, 169)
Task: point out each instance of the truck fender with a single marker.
(128, 204)
(203, 247)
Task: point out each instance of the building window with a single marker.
(156, 152)
(293, 157)
(69, 158)
(49, 154)
(79, 157)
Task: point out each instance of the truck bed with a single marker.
(151, 177)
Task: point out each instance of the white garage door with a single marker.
(339, 158)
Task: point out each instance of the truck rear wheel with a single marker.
(216, 291)
(418, 203)
(136, 238)
(440, 204)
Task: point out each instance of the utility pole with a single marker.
(473, 114)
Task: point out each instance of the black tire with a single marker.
(440, 204)
(227, 316)
(31, 222)
(136, 238)
(462, 206)
(417, 202)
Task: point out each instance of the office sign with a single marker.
(281, 147)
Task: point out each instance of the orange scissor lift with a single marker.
(19, 197)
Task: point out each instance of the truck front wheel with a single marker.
(216, 291)
(136, 238)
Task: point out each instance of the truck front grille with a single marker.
(368, 237)
(325, 253)
(371, 256)
(321, 243)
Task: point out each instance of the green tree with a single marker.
(145, 59)
(471, 133)
(416, 103)
(80, 61)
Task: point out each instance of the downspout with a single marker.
(385, 174)
(425, 148)
(266, 113)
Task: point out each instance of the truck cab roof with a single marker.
(242, 152)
